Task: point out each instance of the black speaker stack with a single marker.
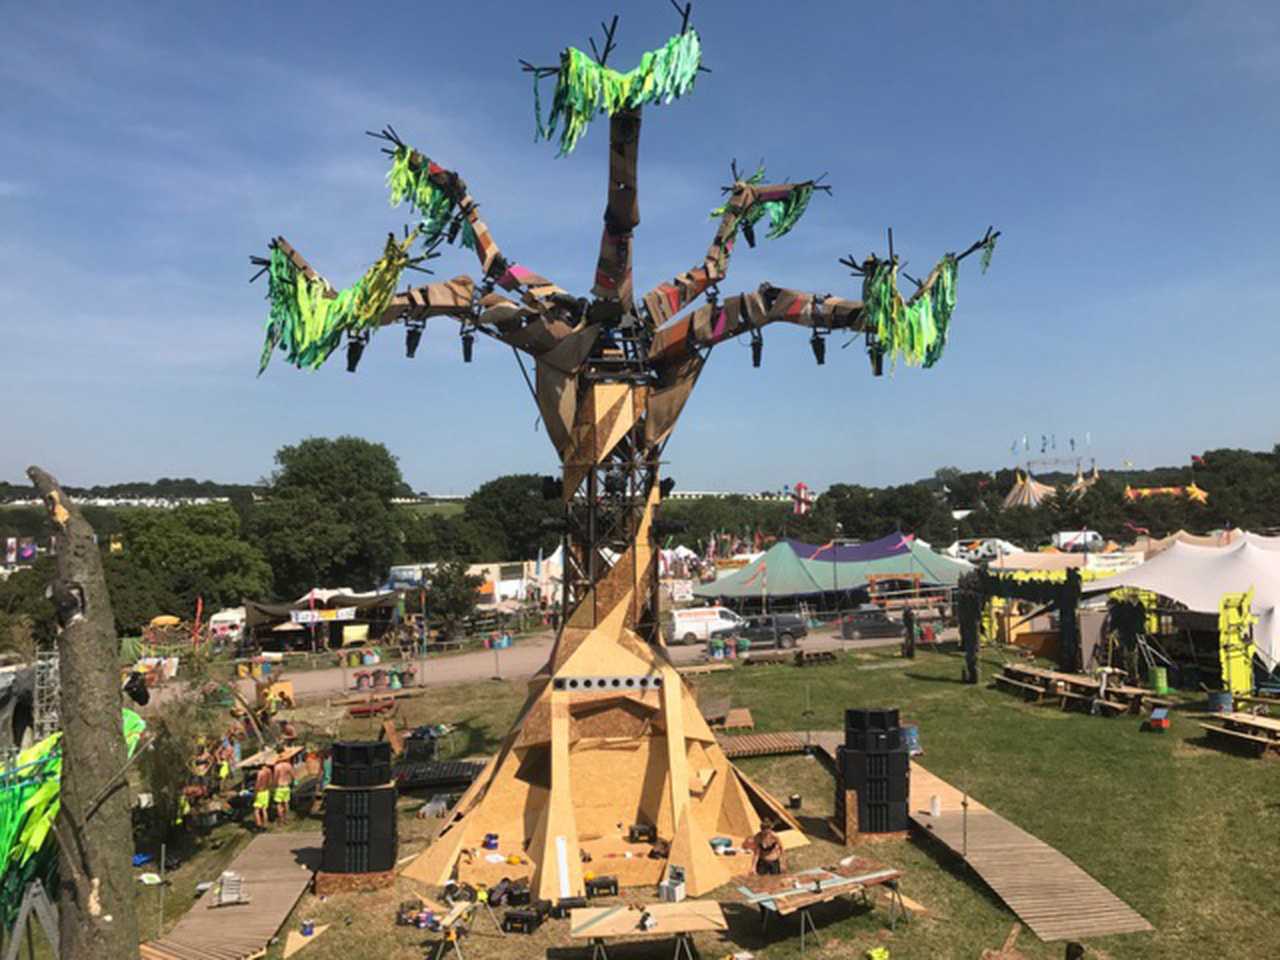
(875, 762)
(360, 833)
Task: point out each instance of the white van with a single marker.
(695, 624)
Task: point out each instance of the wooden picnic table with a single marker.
(1262, 733)
(792, 893)
(680, 920)
(1119, 696)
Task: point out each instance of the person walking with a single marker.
(282, 778)
(262, 797)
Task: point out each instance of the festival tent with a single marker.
(916, 558)
(779, 573)
(1198, 578)
(892, 545)
(1027, 491)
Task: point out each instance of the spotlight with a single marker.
(757, 347)
(355, 350)
(665, 486)
(819, 347)
(875, 353)
(468, 345)
(615, 483)
(413, 336)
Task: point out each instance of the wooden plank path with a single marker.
(276, 869)
(1048, 892)
(762, 744)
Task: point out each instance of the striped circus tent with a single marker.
(1027, 491)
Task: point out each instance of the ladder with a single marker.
(34, 901)
(48, 692)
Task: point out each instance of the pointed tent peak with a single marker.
(1027, 491)
(779, 572)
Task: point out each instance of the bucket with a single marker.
(308, 927)
(1221, 701)
(1160, 679)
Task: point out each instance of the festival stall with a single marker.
(325, 618)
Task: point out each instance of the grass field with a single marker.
(439, 508)
(1185, 834)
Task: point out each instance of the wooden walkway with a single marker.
(762, 744)
(276, 868)
(1048, 892)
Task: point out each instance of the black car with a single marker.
(783, 630)
(867, 622)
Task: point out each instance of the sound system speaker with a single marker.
(361, 763)
(876, 763)
(360, 831)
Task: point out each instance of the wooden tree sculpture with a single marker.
(610, 736)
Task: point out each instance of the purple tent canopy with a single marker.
(890, 546)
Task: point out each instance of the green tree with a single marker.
(506, 515)
(451, 593)
(188, 552)
(26, 614)
(328, 519)
(429, 538)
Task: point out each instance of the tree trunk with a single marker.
(96, 904)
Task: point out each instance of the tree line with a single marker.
(325, 517)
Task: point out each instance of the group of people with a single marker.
(273, 784)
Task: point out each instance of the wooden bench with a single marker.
(1262, 742)
(1027, 687)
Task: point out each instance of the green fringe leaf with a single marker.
(308, 325)
(914, 331)
(783, 214)
(585, 89)
(988, 249)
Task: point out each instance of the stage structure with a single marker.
(610, 736)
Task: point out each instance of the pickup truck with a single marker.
(783, 630)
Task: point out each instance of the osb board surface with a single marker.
(690, 916)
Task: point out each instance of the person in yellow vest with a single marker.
(282, 774)
(262, 797)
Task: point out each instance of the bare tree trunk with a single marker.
(97, 917)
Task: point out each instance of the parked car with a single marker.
(783, 630)
(869, 621)
(694, 624)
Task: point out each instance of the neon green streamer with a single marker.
(307, 323)
(412, 182)
(783, 214)
(988, 249)
(29, 803)
(584, 88)
(913, 331)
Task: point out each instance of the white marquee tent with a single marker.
(1198, 577)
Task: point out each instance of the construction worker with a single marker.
(262, 797)
(282, 779)
(766, 846)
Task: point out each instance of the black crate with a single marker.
(561, 910)
(873, 740)
(642, 833)
(602, 887)
(857, 767)
(361, 753)
(521, 921)
(881, 817)
(360, 831)
(871, 718)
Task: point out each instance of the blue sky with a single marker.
(1128, 151)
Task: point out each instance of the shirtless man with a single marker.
(262, 797)
(283, 777)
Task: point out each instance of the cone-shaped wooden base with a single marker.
(581, 766)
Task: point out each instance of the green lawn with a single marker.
(440, 508)
(1185, 834)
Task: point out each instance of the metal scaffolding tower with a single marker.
(48, 692)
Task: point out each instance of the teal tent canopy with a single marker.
(935, 569)
(779, 573)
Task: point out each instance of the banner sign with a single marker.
(1112, 562)
(11, 550)
(322, 616)
(26, 550)
(409, 576)
(681, 591)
